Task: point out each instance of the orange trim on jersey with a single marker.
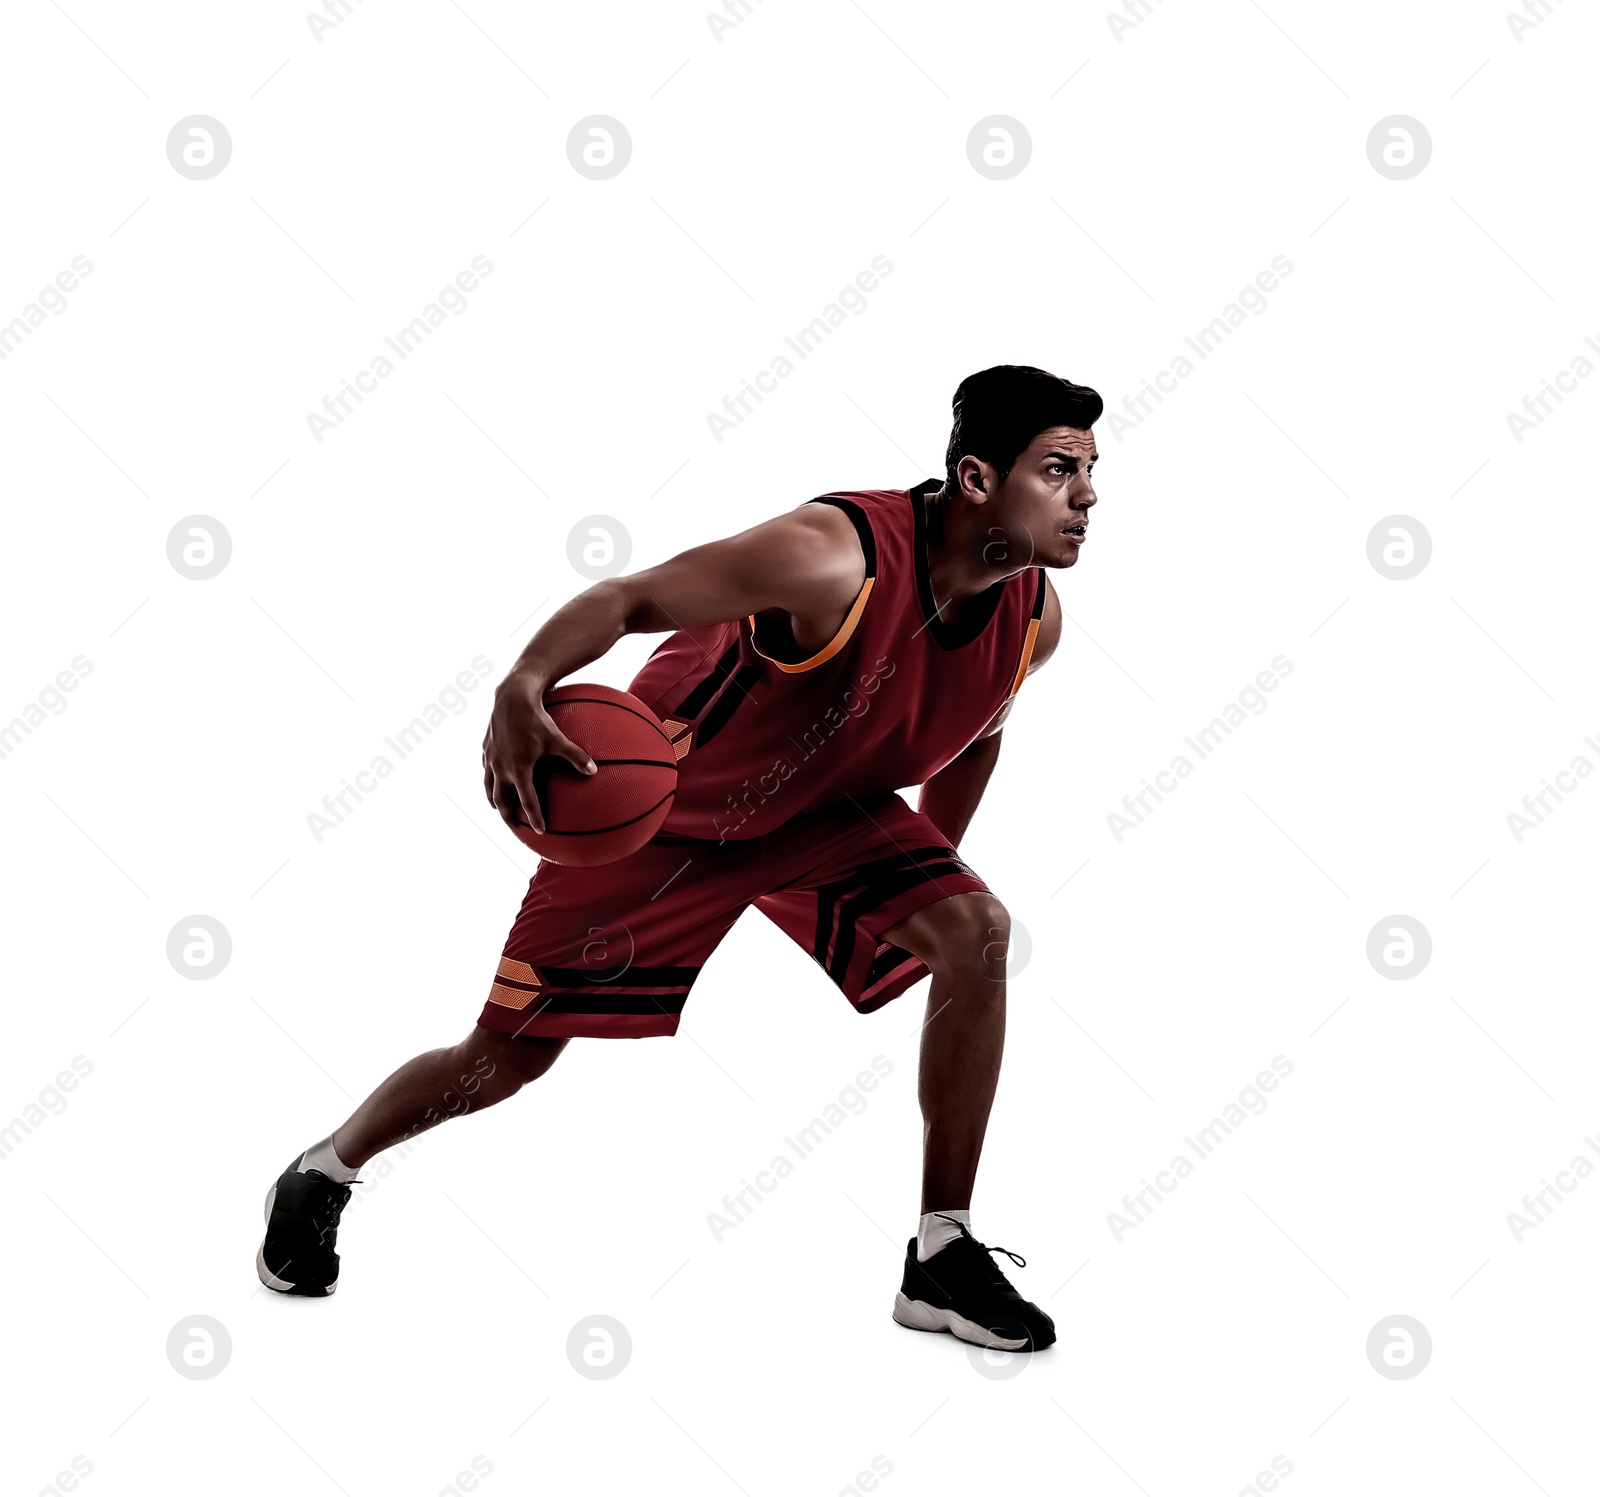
(833, 646)
(516, 971)
(683, 745)
(512, 997)
(1027, 655)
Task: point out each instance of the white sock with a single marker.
(934, 1231)
(324, 1157)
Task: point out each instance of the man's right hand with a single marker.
(520, 734)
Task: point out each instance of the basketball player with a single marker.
(823, 659)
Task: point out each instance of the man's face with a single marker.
(1042, 505)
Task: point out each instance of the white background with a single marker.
(1167, 968)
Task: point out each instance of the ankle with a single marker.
(326, 1158)
(938, 1229)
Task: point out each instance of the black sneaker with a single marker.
(960, 1289)
(297, 1256)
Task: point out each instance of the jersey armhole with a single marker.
(1029, 639)
(771, 644)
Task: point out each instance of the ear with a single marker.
(975, 479)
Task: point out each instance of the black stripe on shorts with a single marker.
(607, 1001)
(628, 977)
(829, 896)
(869, 899)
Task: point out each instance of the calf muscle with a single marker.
(484, 1068)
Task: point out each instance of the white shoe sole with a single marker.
(919, 1315)
(267, 1277)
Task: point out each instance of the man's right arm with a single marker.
(807, 562)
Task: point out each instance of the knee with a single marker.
(969, 936)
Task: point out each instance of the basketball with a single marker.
(598, 818)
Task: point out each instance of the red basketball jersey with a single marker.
(764, 731)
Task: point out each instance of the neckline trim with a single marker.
(976, 613)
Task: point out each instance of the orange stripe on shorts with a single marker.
(512, 997)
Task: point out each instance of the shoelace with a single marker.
(966, 1232)
(325, 1212)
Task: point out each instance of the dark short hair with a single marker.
(997, 412)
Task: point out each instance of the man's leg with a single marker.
(962, 940)
(605, 952)
(951, 1282)
(298, 1254)
(484, 1068)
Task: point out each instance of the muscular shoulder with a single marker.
(824, 527)
(807, 563)
(818, 546)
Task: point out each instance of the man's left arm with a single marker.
(951, 797)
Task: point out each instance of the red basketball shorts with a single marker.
(613, 951)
